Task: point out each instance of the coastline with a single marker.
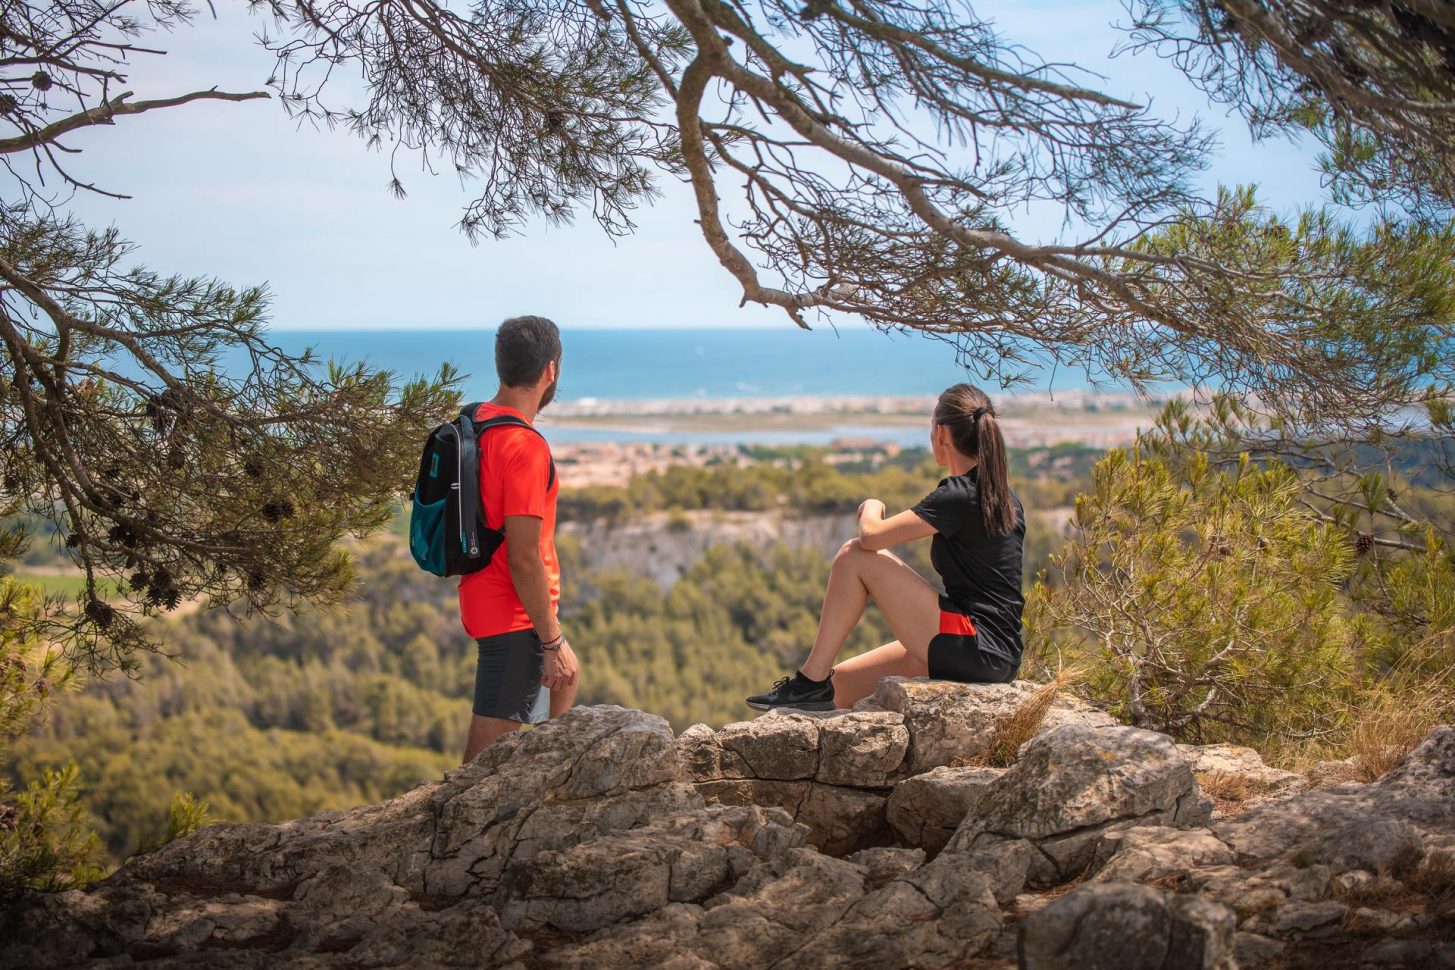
(1028, 420)
(1010, 404)
(605, 442)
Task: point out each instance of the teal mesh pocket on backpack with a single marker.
(426, 535)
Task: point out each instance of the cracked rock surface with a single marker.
(874, 838)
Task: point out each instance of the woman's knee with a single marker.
(854, 551)
(848, 551)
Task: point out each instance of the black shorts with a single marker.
(508, 678)
(955, 654)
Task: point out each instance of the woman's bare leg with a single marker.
(857, 677)
(909, 604)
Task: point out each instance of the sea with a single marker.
(635, 365)
(601, 366)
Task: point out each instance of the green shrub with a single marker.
(1204, 603)
(45, 842)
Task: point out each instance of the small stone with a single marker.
(1375, 844)
(777, 746)
(925, 810)
(1304, 921)
(1146, 853)
(1027, 903)
(883, 863)
(1252, 951)
(1202, 934)
(1398, 953)
(861, 749)
(1350, 881)
(1106, 925)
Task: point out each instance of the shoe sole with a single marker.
(804, 706)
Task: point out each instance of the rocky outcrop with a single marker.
(956, 723)
(925, 810)
(868, 839)
(1121, 926)
(1075, 785)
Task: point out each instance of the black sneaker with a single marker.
(797, 692)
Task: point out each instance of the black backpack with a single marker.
(447, 531)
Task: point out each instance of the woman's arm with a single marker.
(876, 532)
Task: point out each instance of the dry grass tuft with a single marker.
(1381, 892)
(1026, 720)
(1410, 884)
(1435, 877)
(1391, 722)
(1229, 791)
(1226, 786)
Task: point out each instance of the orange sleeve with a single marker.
(527, 464)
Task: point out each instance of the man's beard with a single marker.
(548, 396)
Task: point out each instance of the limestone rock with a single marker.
(941, 915)
(861, 749)
(1145, 853)
(599, 841)
(951, 722)
(537, 827)
(1202, 935)
(1371, 844)
(883, 863)
(1392, 952)
(1075, 783)
(1419, 790)
(1006, 862)
(839, 820)
(924, 810)
(1121, 926)
(1235, 761)
(1300, 920)
(1074, 777)
(1252, 951)
(780, 746)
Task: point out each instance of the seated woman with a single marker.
(973, 632)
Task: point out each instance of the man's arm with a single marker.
(533, 586)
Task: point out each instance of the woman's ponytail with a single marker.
(975, 432)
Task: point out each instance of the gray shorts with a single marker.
(508, 678)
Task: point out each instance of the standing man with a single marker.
(509, 607)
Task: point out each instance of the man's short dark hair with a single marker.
(523, 348)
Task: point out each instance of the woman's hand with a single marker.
(871, 506)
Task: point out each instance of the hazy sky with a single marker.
(241, 192)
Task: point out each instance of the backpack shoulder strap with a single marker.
(510, 420)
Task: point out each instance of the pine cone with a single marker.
(1363, 542)
(100, 613)
(276, 510)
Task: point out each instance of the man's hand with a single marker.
(560, 667)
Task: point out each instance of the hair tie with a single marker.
(979, 411)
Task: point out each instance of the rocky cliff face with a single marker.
(873, 838)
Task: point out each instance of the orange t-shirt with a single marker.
(514, 466)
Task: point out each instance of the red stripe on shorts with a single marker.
(956, 623)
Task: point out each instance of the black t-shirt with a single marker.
(982, 573)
